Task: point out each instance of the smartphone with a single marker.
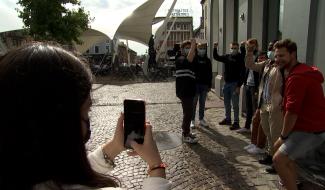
(134, 121)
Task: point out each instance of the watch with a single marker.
(107, 159)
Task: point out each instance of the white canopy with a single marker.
(89, 38)
(138, 26)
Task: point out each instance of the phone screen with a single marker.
(134, 121)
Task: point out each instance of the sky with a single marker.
(108, 15)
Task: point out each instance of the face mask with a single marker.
(186, 51)
(270, 55)
(201, 52)
(88, 132)
(233, 51)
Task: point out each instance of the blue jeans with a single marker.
(201, 95)
(230, 96)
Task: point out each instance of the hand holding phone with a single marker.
(134, 121)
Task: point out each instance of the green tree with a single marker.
(51, 20)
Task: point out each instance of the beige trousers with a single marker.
(271, 121)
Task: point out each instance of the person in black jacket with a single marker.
(251, 83)
(234, 72)
(185, 86)
(203, 74)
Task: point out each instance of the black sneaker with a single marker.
(225, 122)
(270, 169)
(267, 160)
(235, 126)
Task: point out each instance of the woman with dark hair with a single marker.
(45, 99)
(185, 86)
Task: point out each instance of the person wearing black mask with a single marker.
(234, 72)
(203, 75)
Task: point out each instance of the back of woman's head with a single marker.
(42, 90)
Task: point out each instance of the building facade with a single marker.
(99, 48)
(13, 39)
(123, 56)
(178, 30)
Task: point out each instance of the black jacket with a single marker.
(185, 78)
(234, 66)
(203, 70)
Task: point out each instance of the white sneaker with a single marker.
(192, 135)
(255, 150)
(190, 140)
(249, 146)
(243, 130)
(203, 123)
(192, 124)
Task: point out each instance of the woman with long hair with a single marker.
(44, 105)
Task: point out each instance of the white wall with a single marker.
(242, 25)
(101, 48)
(215, 35)
(230, 20)
(257, 20)
(208, 34)
(296, 24)
(319, 58)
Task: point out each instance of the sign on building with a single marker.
(181, 13)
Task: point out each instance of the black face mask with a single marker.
(88, 132)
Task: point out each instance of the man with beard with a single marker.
(304, 112)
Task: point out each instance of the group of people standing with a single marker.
(284, 98)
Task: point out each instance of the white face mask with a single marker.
(233, 51)
(201, 52)
(186, 51)
(270, 55)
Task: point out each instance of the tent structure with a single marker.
(89, 38)
(138, 26)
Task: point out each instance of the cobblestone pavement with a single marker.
(218, 161)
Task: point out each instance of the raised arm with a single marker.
(250, 60)
(250, 63)
(191, 54)
(216, 56)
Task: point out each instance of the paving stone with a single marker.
(218, 161)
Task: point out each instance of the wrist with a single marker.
(111, 149)
(108, 159)
(157, 170)
(284, 137)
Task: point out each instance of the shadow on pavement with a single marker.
(226, 141)
(220, 166)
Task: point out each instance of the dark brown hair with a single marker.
(202, 45)
(234, 43)
(253, 41)
(42, 90)
(185, 43)
(288, 44)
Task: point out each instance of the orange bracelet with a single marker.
(159, 166)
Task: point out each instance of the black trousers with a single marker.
(187, 105)
(251, 104)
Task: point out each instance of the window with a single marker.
(96, 49)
